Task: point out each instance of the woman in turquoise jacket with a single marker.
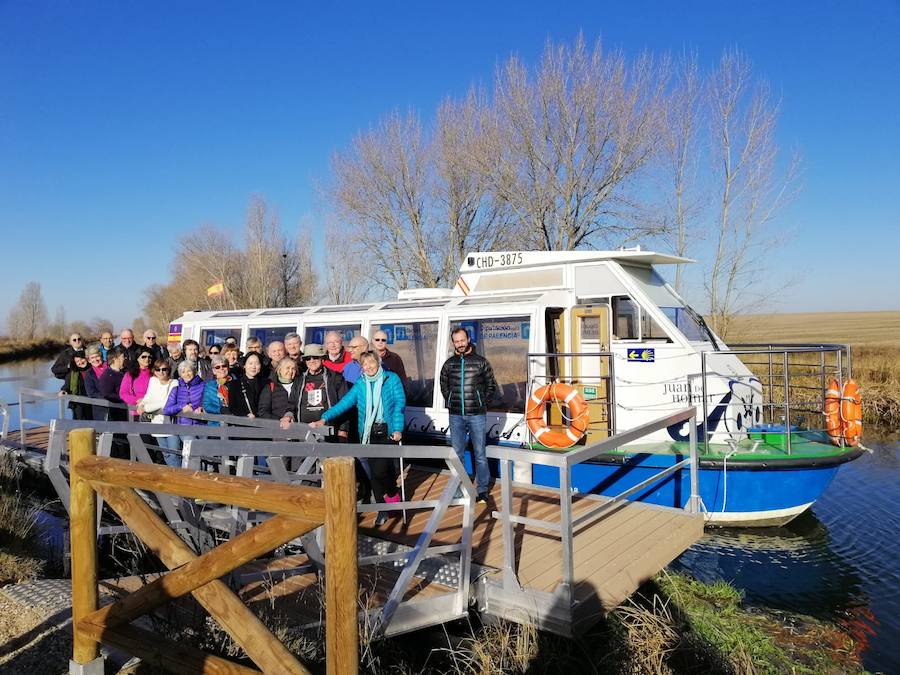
(380, 403)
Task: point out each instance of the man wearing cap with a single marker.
(320, 388)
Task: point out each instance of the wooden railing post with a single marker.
(341, 583)
(83, 538)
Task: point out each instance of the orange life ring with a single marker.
(558, 393)
(851, 413)
(833, 411)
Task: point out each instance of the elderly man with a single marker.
(320, 389)
(357, 346)
(275, 352)
(293, 346)
(60, 367)
(150, 341)
(106, 343)
(389, 360)
(336, 358)
(129, 348)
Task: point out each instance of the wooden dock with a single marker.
(611, 554)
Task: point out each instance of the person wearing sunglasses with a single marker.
(151, 410)
(152, 343)
(137, 378)
(215, 393)
(74, 384)
(63, 363)
(380, 403)
(320, 389)
(389, 360)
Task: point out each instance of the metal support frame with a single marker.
(512, 597)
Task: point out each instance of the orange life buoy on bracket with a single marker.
(560, 394)
(851, 413)
(833, 411)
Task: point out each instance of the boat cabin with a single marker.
(605, 322)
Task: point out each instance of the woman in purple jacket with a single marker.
(187, 396)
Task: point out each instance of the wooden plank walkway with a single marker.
(612, 555)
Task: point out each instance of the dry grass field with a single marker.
(859, 329)
(874, 338)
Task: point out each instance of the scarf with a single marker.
(374, 405)
(98, 370)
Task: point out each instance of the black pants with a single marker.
(384, 474)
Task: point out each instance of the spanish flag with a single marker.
(216, 290)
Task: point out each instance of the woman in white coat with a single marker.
(158, 389)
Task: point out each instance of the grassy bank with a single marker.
(674, 625)
(20, 559)
(874, 338)
(15, 350)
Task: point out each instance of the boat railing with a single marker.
(567, 526)
(793, 376)
(595, 384)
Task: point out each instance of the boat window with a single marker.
(498, 299)
(625, 318)
(416, 305)
(217, 336)
(284, 312)
(316, 334)
(221, 315)
(416, 344)
(271, 334)
(686, 322)
(650, 330)
(337, 309)
(504, 342)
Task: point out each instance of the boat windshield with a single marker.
(686, 319)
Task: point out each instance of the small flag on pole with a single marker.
(216, 290)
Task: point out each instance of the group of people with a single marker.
(359, 391)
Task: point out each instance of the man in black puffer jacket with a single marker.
(468, 385)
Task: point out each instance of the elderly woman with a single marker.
(92, 378)
(244, 391)
(278, 400)
(186, 396)
(215, 392)
(380, 402)
(74, 384)
(137, 379)
(158, 390)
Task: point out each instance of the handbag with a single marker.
(379, 432)
(146, 417)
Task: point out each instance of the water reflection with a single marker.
(837, 562)
(37, 376)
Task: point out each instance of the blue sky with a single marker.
(125, 124)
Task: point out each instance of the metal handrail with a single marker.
(195, 450)
(564, 462)
(784, 350)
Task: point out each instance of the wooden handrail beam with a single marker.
(200, 571)
(291, 500)
(164, 653)
(217, 598)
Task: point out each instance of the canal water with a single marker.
(839, 562)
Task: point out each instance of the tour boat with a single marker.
(606, 325)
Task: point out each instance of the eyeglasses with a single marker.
(149, 337)
(75, 340)
(214, 353)
(220, 367)
(145, 356)
(312, 358)
(162, 370)
(379, 339)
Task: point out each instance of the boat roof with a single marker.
(485, 261)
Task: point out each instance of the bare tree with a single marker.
(99, 325)
(680, 158)
(382, 192)
(345, 274)
(27, 320)
(58, 329)
(750, 187)
(570, 138)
